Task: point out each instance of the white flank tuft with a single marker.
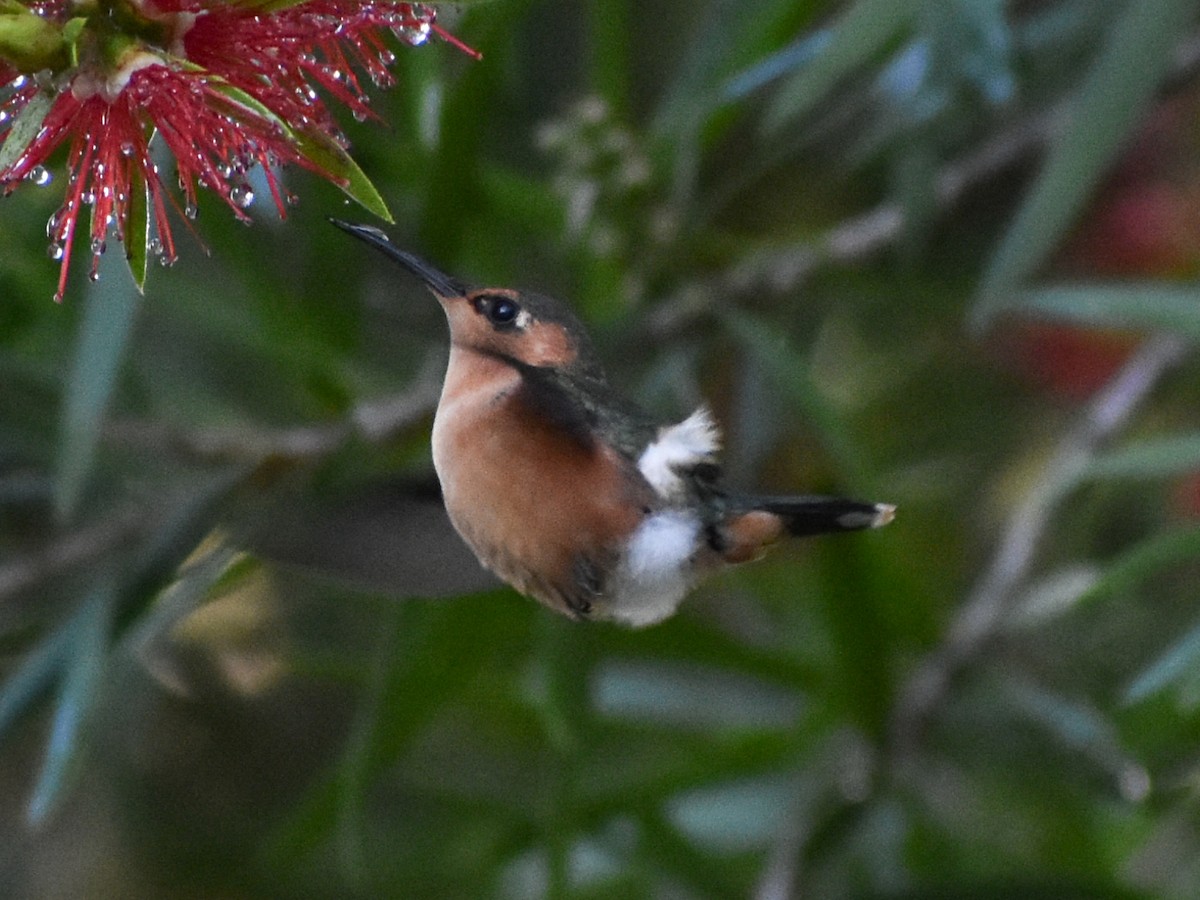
(655, 572)
(678, 448)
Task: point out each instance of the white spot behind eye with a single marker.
(523, 319)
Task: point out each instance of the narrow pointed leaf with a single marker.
(188, 514)
(1177, 454)
(271, 6)
(858, 38)
(137, 228)
(264, 7)
(1143, 561)
(1144, 306)
(325, 153)
(775, 66)
(80, 687)
(784, 367)
(322, 151)
(1180, 660)
(25, 128)
(109, 311)
(1111, 101)
(240, 98)
(1075, 723)
(35, 674)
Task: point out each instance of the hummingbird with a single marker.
(567, 491)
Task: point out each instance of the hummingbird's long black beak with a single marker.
(439, 282)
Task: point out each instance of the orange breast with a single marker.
(529, 499)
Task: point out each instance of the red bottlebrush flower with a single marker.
(224, 87)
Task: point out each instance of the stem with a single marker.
(993, 596)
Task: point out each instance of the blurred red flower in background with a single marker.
(1144, 224)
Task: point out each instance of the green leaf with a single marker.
(271, 6)
(267, 6)
(1180, 660)
(1075, 723)
(329, 156)
(1112, 99)
(108, 316)
(137, 228)
(859, 36)
(188, 513)
(240, 98)
(1150, 306)
(1143, 561)
(25, 128)
(785, 367)
(85, 666)
(36, 672)
(1176, 454)
(774, 66)
(321, 150)
(213, 564)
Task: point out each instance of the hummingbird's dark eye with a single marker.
(499, 310)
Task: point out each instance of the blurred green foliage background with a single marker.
(936, 253)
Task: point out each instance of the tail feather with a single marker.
(803, 516)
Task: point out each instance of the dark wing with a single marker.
(587, 409)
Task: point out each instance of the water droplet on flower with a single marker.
(55, 251)
(54, 221)
(190, 210)
(292, 198)
(360, 114)
(154, 247)
(98, 246)
(127, 148)
(19, 82)
(241, 195)
(387, 57)
(3, 116)
(87, 198)
(39, 175)
(414, 34)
